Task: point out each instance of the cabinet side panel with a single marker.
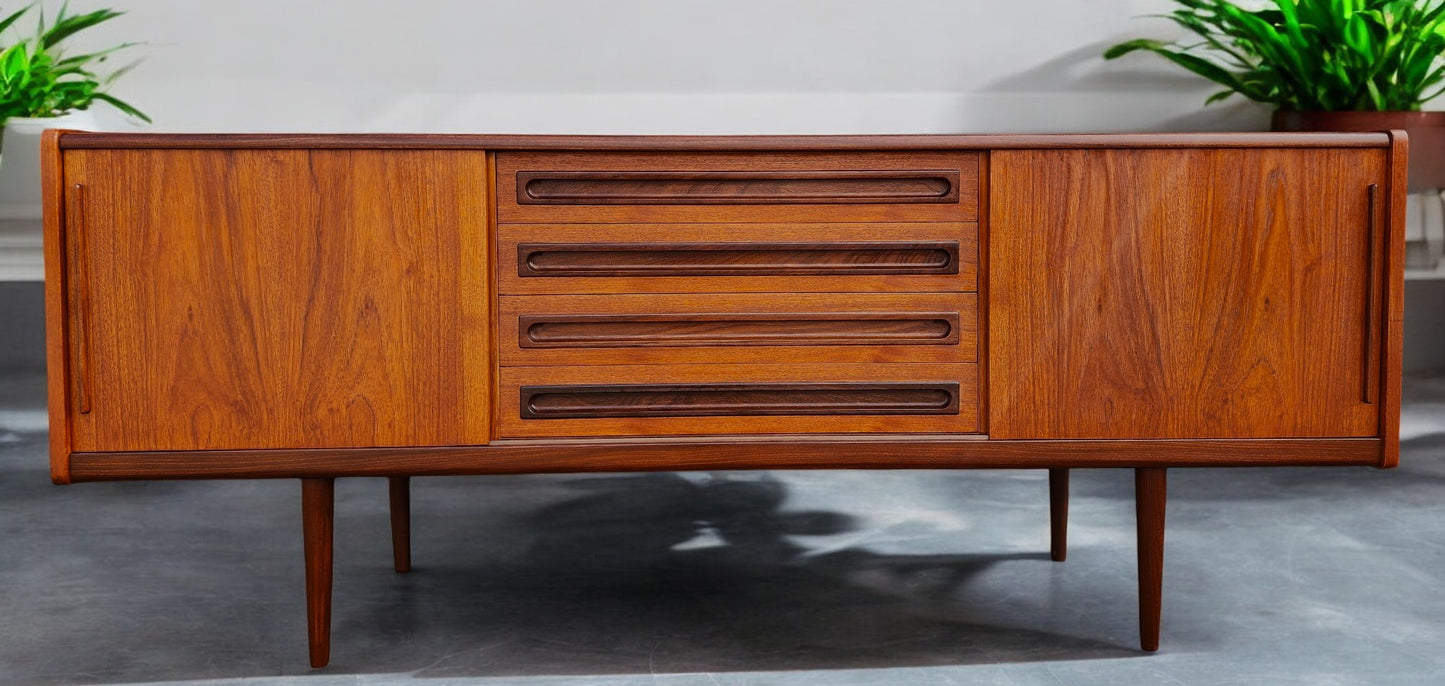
(1394, 275)
(1181, 293)
(285, 298)
(57, 372)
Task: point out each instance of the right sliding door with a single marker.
(1185, 293)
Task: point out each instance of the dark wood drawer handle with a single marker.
(736, 188)
(677, 330)
(738, 400)
(736, 259)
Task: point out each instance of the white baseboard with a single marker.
(20, 254)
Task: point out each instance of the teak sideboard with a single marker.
(321, 306)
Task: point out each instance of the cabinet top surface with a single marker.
(78, 140)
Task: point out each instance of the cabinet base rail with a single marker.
(897, 451)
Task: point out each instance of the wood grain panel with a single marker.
(737, 328)
(723, 177)
(512, 424)
(1180, 294)
(284, 299)
(800, 187)
(687, 258)
(738, 400)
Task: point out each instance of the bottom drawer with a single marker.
(693, 399)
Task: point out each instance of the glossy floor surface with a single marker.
(1272, 576)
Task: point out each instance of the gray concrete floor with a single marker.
(1272, 576)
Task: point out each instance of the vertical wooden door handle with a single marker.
(79, 287)
(1372, 298)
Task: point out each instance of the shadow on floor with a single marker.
(657, 573)
(616, 574)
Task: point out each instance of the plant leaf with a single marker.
(1311, 54)
(68, 26)
(38, 80)
(7, 21)
(123, 106)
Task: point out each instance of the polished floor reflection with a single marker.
(1272, 576)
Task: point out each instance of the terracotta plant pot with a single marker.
(1425, 129)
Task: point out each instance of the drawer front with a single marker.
(713, 187)
(683, 258)
(711, 399)
(733, 328)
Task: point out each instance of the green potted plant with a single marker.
(41, 87)
(1325, 65)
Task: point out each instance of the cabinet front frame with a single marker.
(738, 451)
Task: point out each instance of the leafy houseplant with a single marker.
(43, 87)
(1312, 55)
(38, 80)
(1325, 65)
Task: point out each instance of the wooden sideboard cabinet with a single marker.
(314, 307)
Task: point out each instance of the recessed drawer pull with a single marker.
(735, 188)
(716, 400)
(669, 330)
(736, 259)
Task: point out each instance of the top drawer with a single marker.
(737, 187)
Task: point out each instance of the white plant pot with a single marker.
(20, 155)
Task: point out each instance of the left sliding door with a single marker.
(251, 299)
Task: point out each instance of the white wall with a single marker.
(654, 66)
(663, 66)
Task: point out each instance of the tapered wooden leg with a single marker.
(1149, 497)
(1058, 514)
(401, 522)
(317, 509)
